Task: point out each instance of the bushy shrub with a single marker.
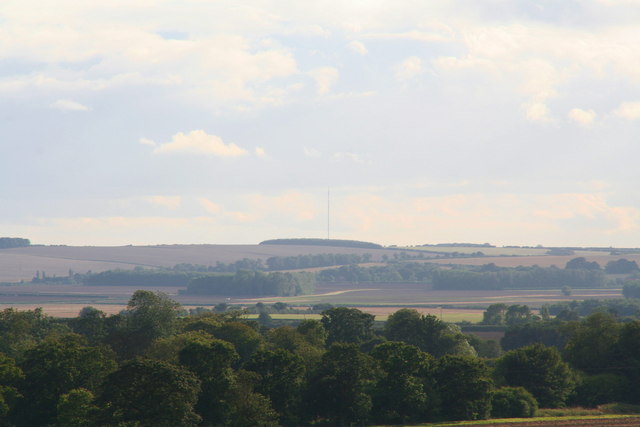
(513, 402)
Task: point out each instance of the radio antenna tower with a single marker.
(328, 213)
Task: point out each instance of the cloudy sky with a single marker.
(514, 122)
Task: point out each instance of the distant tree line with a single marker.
(256, 283)
(323, 242)
(391, 272)
(141, 278)
(13, 242)
(517, 278)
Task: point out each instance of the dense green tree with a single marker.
(22, 329)
(211, 360)
(592, 346)
(464, 387)
(77, 409)
(245, 338)
(149, 316)
(494, 314)
(55, 367)
(150, 393)
(347, 325)
(553, 334)
(513, 402)
(428, 333)
(309, 346)
(628, 358)
(594, 390)
(248, 408)
(91, 324)
(280, 378)
(10, 378)
(339, 391)
(518, 314)
(400, 394)
(540, 370)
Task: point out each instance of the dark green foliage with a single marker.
(211, 360)
(463, 385)
(10, 378)
(513, 402)
(149, 316)
(20, 330)
(428, 333)
(347, 325)
(339, 392)
(90, 323)
(628, 358)
(77, 409)
(591, 348)
(594, 390)
(13, 242)
(540, 370)
(250, 409)
(551, 334)
(53, 368)
(280, 378)
(399, 395)
(621, 266)
(254, 283)
(150, 393)
(323, 242)
(244, 338)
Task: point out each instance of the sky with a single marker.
(511, 122)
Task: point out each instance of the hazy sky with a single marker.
(224, 121)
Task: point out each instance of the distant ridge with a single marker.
(323, 242)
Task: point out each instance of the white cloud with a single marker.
(199, 142)
(312, 152)
(260, 152)
(629, 110)
(358, 47)
(69, 105)
(345, 155)
(409, 68)
(325, 78)
(171, 202)
(537, 112)
(210, 206)
(147, 141)
(583, 117)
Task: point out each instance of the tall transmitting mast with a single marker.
(328, 213)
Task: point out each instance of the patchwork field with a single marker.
(381, 299)
(22, 263)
